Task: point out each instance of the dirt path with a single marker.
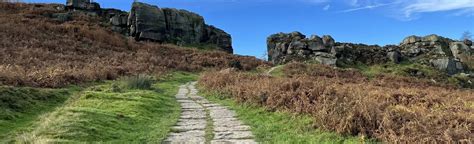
(199, 115)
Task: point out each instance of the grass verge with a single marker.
(280, 127)
(21, 106)
(101, 114)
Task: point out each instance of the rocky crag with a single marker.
(445, 54)
(151, 23)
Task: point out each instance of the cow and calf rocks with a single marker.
(445, 54)
(147, 22)
(164, 25)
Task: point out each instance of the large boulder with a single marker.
(117, 19)
(328, 41)
(459, 49)
(415, 47)
(286, 47)
(449, 65)
(217, 37)
(315, 43)
(278, 46)
(78, 4)
(83, 5)
(394, 56)
(181, 27)
(184, 26)
(411, 40)
(325, 58)
(147, 22)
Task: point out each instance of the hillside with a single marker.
(39, 50)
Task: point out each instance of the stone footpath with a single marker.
(192, 124)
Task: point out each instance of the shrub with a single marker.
(235, 64)
(115, 88)
(140, 81)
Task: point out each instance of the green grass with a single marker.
(280, 127)
(102, 114)
(140, 81)
(209, 128)
(278, 71)
(21, 106)
(402, 69)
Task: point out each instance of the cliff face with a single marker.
(147, 22)
(443, 53)
(164, 25)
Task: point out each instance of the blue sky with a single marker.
(381, 22)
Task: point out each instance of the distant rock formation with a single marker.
(147, 22)
(164, 25)
(82, 4)
(443, 53)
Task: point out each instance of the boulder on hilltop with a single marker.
(148, 22)
(164, 25)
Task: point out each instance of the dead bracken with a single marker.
(390, 109)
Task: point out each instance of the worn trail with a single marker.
(198, 115)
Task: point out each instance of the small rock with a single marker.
(468, 42)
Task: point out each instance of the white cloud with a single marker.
(467, 12)
(409, 8)
(316, 1)
(367, 7)
(354, 3)
(425, 6)
(326, 7)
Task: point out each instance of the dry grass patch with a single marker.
(390, 109)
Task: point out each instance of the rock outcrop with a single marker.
(82, 4)
(442, 53)
(117, 19)
(147, 22)
(151, 23)
(283, 48)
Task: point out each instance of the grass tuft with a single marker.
(140, 81)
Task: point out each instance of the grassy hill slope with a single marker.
(38, 50)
